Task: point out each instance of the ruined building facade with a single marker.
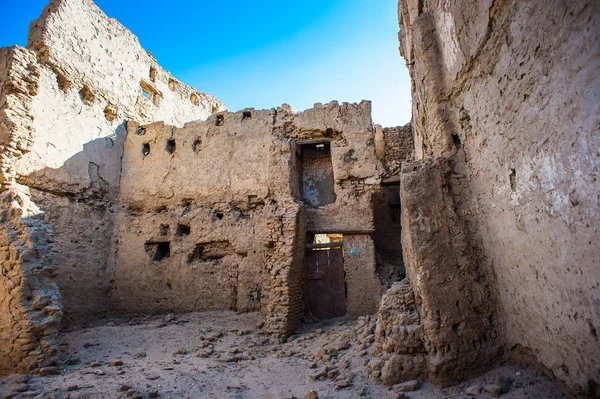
(125, 191)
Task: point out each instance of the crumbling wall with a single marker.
(219, 198)
(92, 75)
(30, 302)
(452, 295)
(508, 92)
(63, 106)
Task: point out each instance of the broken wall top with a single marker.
(89, 50)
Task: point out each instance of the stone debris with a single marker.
(473, 390)
(311, 394)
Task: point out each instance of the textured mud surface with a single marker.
(224, 355)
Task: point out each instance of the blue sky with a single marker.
(264, 53)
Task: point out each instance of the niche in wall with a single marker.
(317, 185)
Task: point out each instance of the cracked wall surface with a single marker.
(508, 93)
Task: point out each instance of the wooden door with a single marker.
(326, 283)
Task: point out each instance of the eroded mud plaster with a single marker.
(507, 94)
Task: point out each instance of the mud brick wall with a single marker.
(508, 93)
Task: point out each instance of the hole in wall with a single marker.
(63, 82)
(513, 179)
(145, 149)
(194, 99)
(219, 215)
(86, 95)
(172, 84)
(170, 146)
(183, 230)
(164, 229)
(186, 204)
(247, 115)
(158, 251)
(152, 74)
(214, 110)
(196, 145)
(150, 93)
(457, 141)
(220, 120)
(210, 251)
(140, 131)
(160, 209)
(110, 113)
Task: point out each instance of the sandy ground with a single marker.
(224, 355)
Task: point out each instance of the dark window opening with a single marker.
(158, 251)
(247, 115)
(220, 120)
(183, 230)
(141, 131)
(317, 185)
(146, 149)
(170, 146)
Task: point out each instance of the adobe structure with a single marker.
(126, 192)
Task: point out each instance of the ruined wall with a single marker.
(30, 302)
(509, 92)
(204, 189)
(453, 296)
(221, 199)
(63, 107)
(349, 129)
(92, 75)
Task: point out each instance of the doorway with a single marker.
(326, 276)
(388, 233)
